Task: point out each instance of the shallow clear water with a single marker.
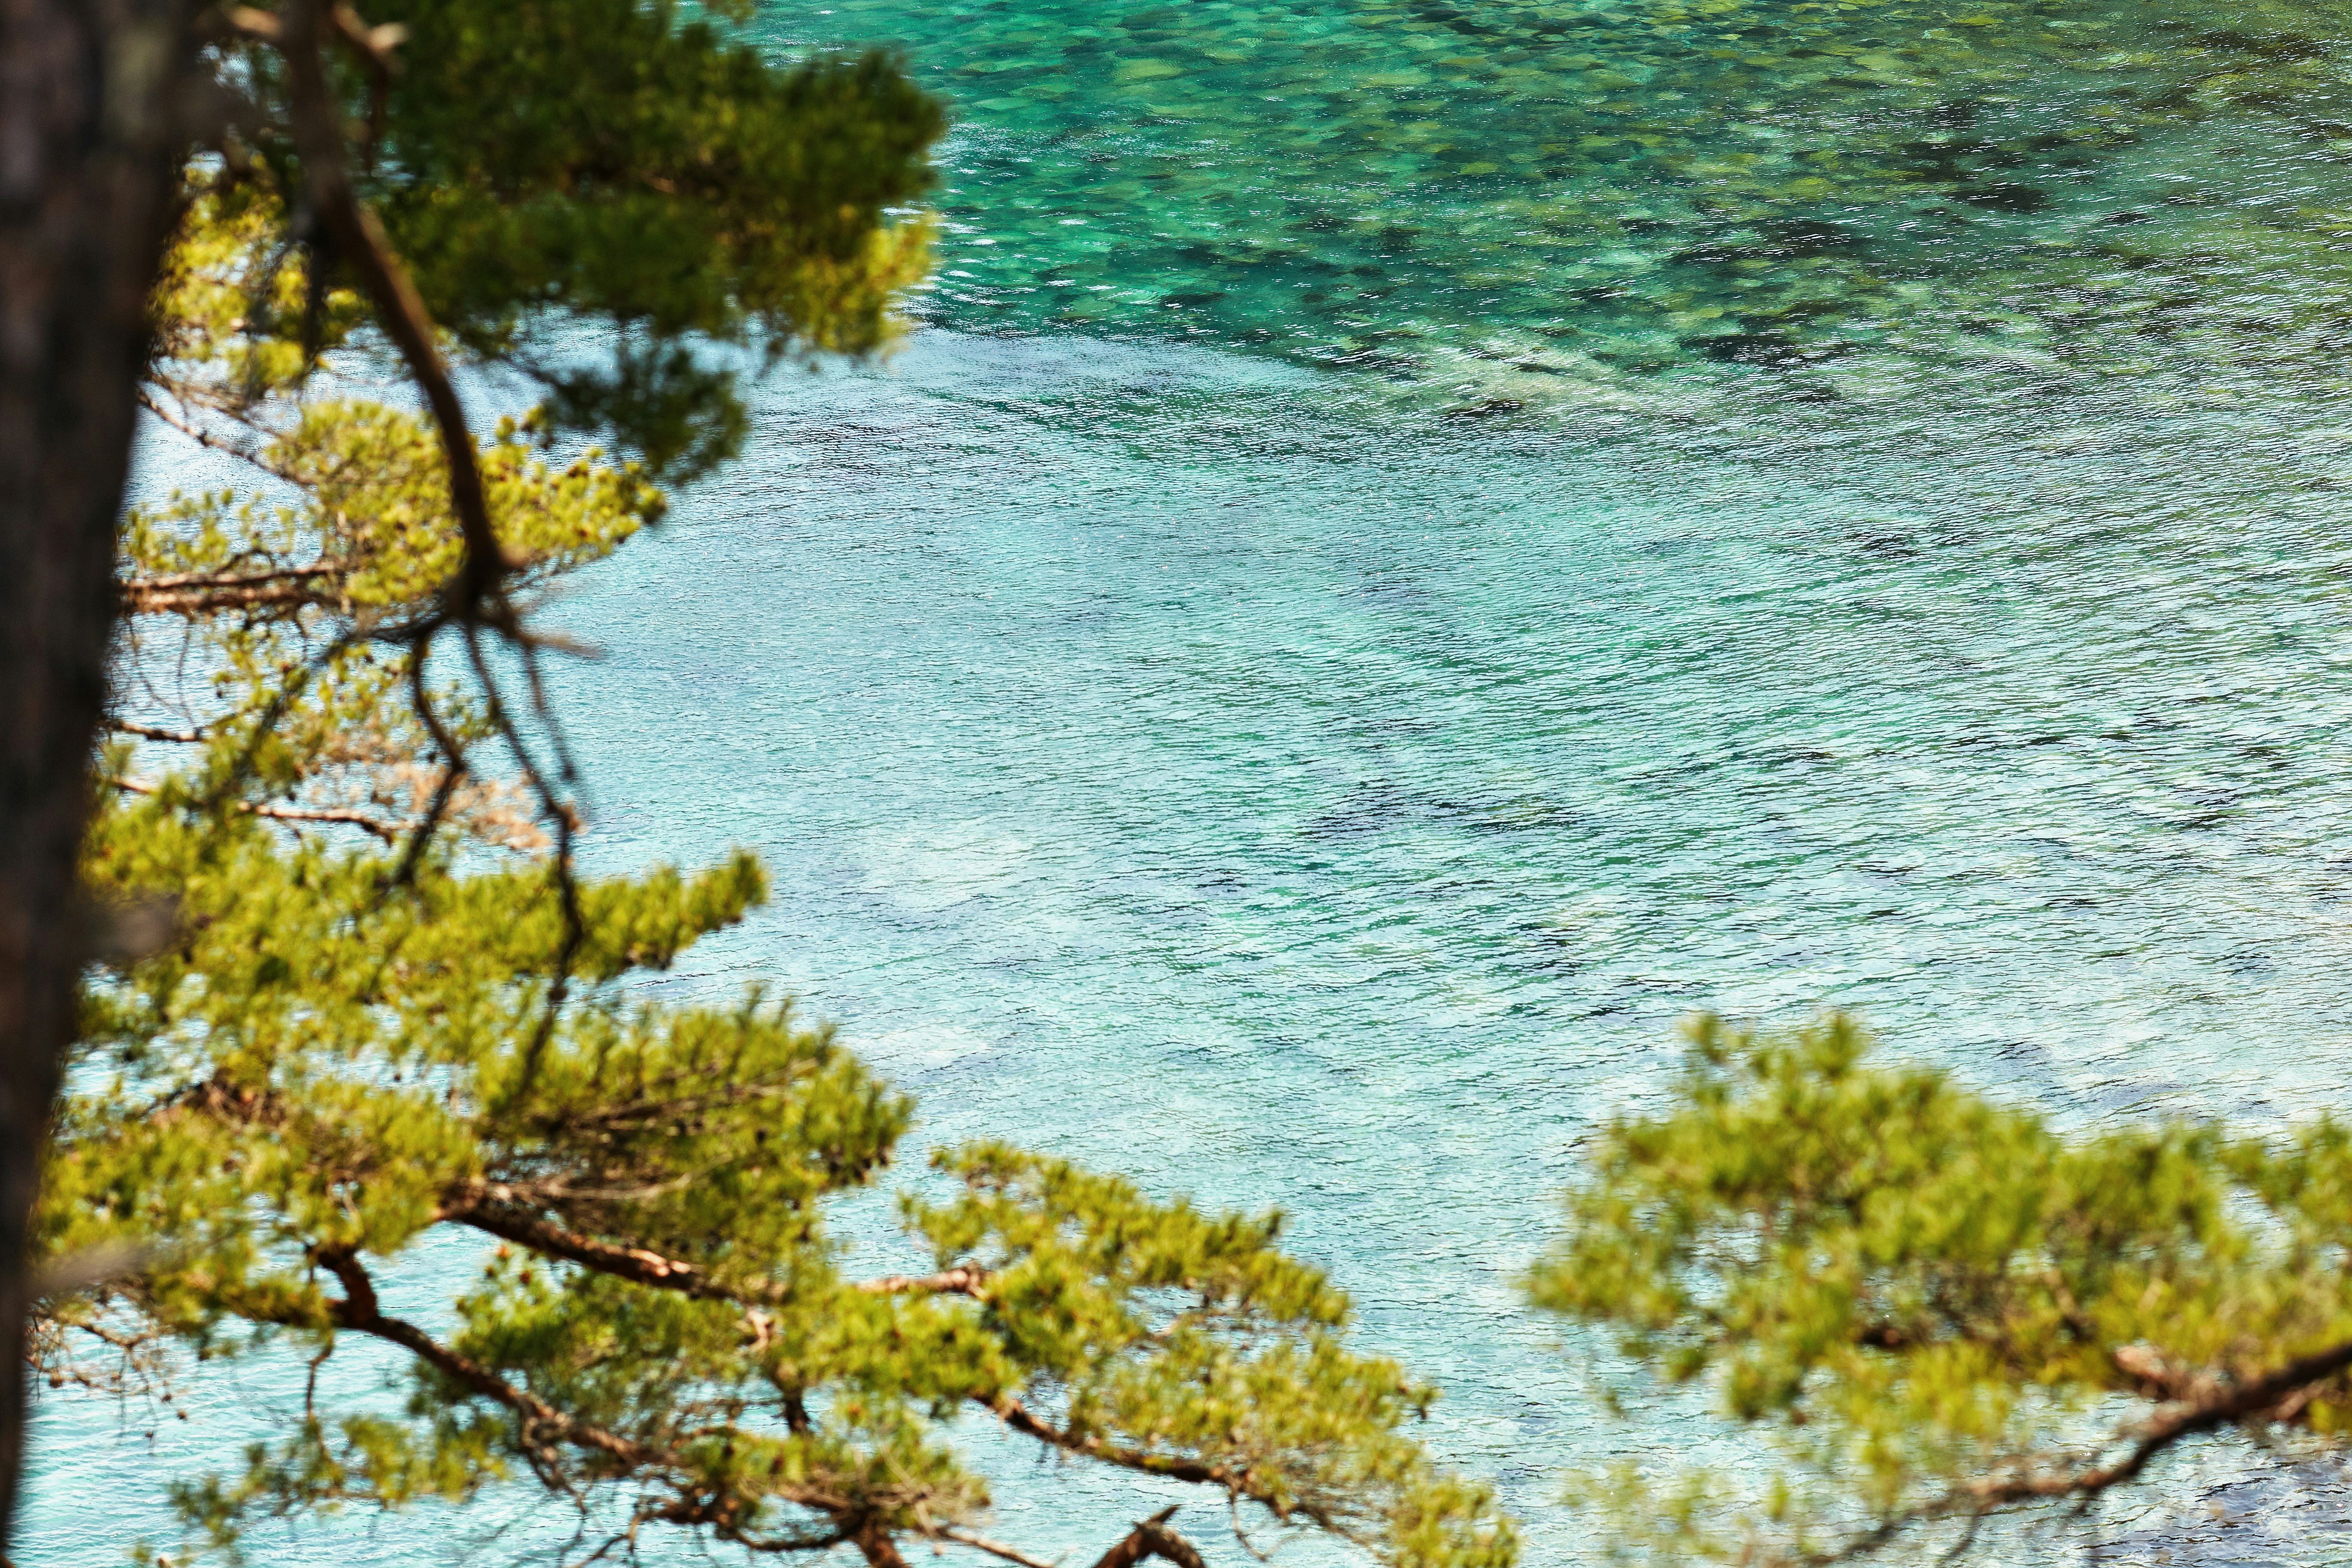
(1609, 196)
(1422, 543)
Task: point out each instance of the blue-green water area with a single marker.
(1509, 195)
(1418, 544)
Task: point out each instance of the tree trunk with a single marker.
(92, 123)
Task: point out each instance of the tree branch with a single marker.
(2279, 1395)
(211, 593)
(2173, 1422)
(361, 242)
(476, 593)
(251, 22)
(497, 1210)
(344, 816)
(155, 733)
(1153, 1538)
(197, 432)
(359, 1312)
(875, 1544)
(480, 1208)
(964, 1280)
(1014, 1414)
(374, 46)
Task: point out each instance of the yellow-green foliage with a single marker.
(326, 1066)
(1927, 1296)
(374, 507)
(1191, 1339)
(542, 164)
(353, 536)
(231, 298)
(340, 1045)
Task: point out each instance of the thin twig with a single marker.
(155, 733)
(334, 816)
(452, 773)
(1017, 1417)
(210, 593)
(199, 434)
(1967, 1538)
(559, 812)
(566, 768)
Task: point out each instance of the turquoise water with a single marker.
(1420, 543)
(1613, 196)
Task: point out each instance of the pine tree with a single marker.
(1940, 1310)
(359, 996)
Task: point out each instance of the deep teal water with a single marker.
(1420, 543)
(1589, 199)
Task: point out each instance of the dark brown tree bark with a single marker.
(1153, 1538)
(93, 119)
(874, 1543)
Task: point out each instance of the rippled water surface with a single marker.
(1422, 543)
(1611, 194)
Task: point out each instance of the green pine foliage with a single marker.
(1940, 1309)
(358, 1002)
(374, 1004)
(542, 164)
(328, 1064)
